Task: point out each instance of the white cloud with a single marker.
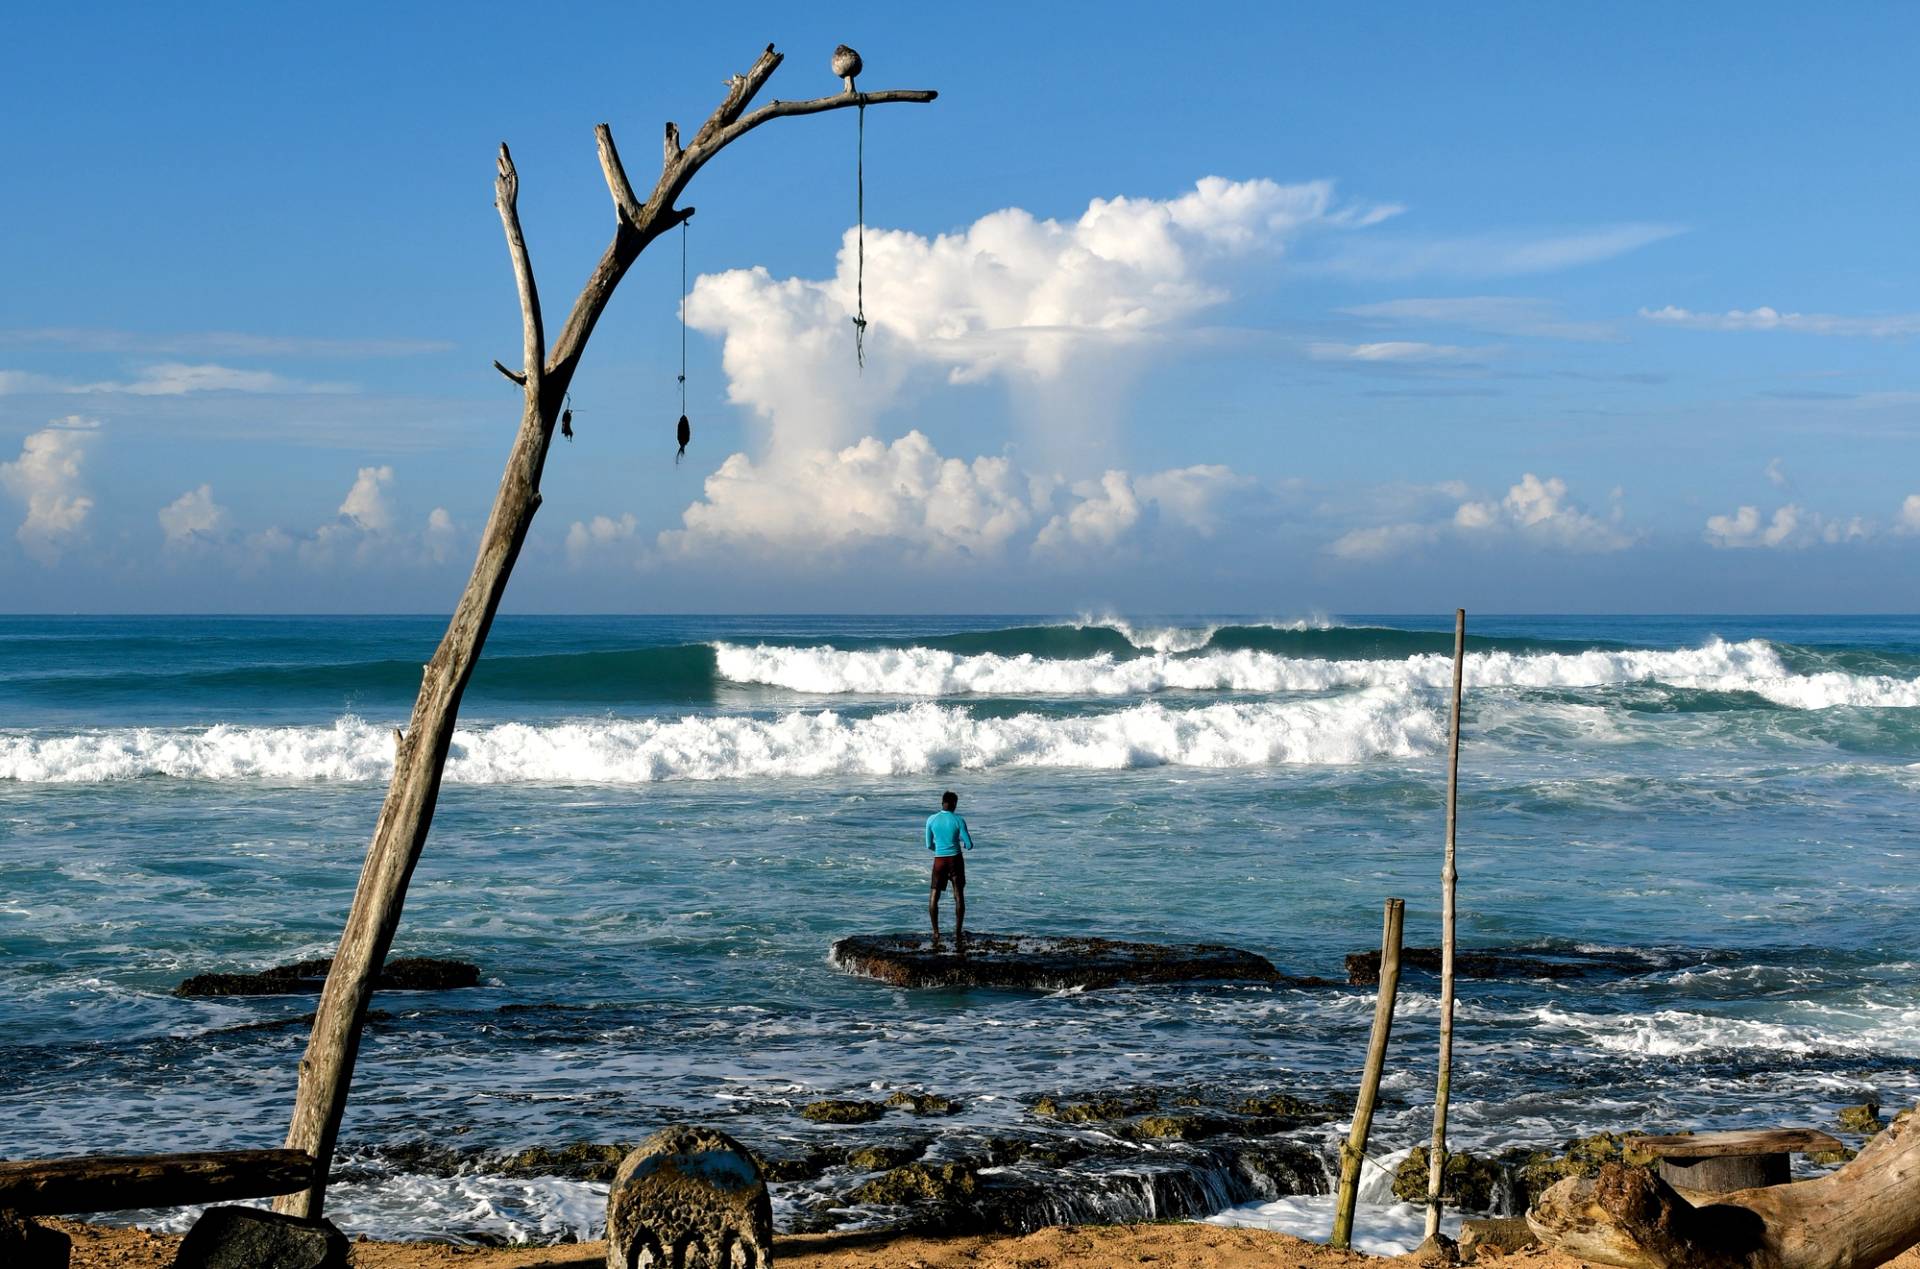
(1391, 350)
(1776, 473)
(46, 478)
(905, 498)
(600, 531)
(1790, 527)
(1488, 255)
(1493, 314)
(366, 503)
(1053, 308)
(193, 517)
(440, 535)
(165, 379)
(1535, 512)
(1909, 521)
(1887, 326)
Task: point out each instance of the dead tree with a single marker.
(326, 1071)
(1863, 1214)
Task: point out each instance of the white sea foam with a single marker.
(1188, 638)
(1357, 727)
(1679, 1033)
(1751, 666)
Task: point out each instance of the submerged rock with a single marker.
(1466, 1181)
(577, 1161)
(408, 973)
(1030, 963)
(940, 1184)
(841, 1110)
(798, 1167)
(1179, 1127)
(923, 1103)
(1097, 1108)
(1862, 1118)
(1363, 968)
(1532, 1171)
(883, 1158)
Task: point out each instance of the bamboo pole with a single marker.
(1354, 1153)
(1437, 1152)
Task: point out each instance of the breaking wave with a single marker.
(1374, 723)
(1753, 666)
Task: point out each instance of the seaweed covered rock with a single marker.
(1095, 1108)
(1466, 1181)
(802, 1166)
(577, 1161)
(842, 1110)
(923, 1103)
(1363, 968)
(408, 973)
(942, 1183)
(1864, 1118)
(1534, 1170)
(1032, 963)
(883, 1158)
(1179, 1127)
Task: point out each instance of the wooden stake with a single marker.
(546, 372)
(1354, 1153)
(1437, 1152)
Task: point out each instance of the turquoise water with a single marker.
(653, 827)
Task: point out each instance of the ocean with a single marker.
(652, 829)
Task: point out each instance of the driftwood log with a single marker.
(545, 373)
(1863, 1214)
(115, 1183)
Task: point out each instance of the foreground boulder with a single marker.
(689, 1198)
(409, 973)
(1032, 963)
(247, 1238)
(26, 1243)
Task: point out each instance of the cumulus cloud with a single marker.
(1051, 308)
(1887, 326)
(1535, 512)
(367, 529)
(366, 503)
(193, 517)
(1790, 527)
(1776, 473)
(907, 499)
(1909, 519)
(46, 479)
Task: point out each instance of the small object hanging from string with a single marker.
(684, 432)
(566, 418)
(847, 65)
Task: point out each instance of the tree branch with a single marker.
(514, 375)
(740, 94)
(625, 202)
(506, 192)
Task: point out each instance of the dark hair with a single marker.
(949, 800)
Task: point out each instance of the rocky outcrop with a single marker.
(689, 1196)
(1035, 963)
(408, 973)
(841, 1110)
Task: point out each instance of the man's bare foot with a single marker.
(936, 942)
(960, 943)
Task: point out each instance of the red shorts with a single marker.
(949, 868)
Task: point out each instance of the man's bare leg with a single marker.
(933, 916)
(960, 916)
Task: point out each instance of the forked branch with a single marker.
(506, 194)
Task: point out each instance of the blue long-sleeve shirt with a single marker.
(945, 832)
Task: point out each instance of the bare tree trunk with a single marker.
(326, 1071)
(1861, 1215)
(1443, 1086)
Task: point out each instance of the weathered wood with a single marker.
(111, 1183)
(1721, 1174)
(1443, 1084)
(1863, 1214)
(1712, 1145)
(1354, 1153)
(326, 1071)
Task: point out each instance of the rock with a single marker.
(409, 973)
(27, 1244)
(1466, 1181)
(943, 1183)
(1095, 1109)
(883, 1158)
(1438, 1249)
(1284, 1105)
(1043, 964)
(577, 1161)
(1363, 968)
(1535, 1170)
(1864, 1118)
(1053, 1152)
(1179, 1127)
(248, 1238)
(1487, 1237)
(801, 1167)
(923, 1103)
(1845, 1154)
(840, 1110)
(692, 1194)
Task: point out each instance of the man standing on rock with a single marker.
(946, 835)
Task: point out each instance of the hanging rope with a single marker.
(685, 431)
(860, 208)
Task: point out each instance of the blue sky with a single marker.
(1272, 309)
